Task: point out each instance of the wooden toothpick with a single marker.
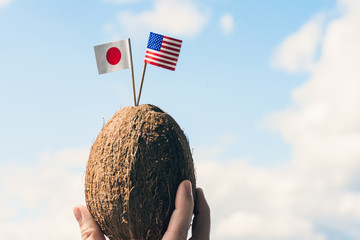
(132, 74)
(141, 84)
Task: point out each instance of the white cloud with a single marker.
(254, 203)
(273, 227)
(297, 52)
(227, 23)
(289, 202)
(325, 110)
(3, 3)
(37, 200)
(173, 17)
(318, 191)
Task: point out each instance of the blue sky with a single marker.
(53, 97)
(253, 89)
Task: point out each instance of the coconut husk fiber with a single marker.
(134, 169)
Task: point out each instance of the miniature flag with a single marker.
(162, 51)
(113, 56)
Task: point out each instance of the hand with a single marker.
(181, 217)
(179, 222)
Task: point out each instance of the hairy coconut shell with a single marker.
(135, 167)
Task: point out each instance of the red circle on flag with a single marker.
(113, 55)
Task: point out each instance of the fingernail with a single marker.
(201, 191)
(188, 188)
(77, 213)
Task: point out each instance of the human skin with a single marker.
(179, 222)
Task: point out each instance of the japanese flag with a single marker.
(113, 56)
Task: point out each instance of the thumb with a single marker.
(88, 227)
(181, 217)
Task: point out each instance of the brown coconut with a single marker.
(135, 167)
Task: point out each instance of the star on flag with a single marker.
(162, 51)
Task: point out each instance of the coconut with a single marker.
(134, 169)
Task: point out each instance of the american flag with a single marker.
(162, 51)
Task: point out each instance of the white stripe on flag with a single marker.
(168, 54)
(172, 46)
(168, 50)
(152, 60)
(172, 41)
(160, 58)
(165, 55)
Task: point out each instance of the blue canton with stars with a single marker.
(155, 41)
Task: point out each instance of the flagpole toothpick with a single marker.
(133, 85)
(141, 84)
(132, 73)
(162, 51)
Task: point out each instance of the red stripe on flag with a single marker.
(170, 53)
(172, 44)
(160, 60)
(174, 39)
(161, 55)
(160, 65)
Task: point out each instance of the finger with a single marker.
(88, 227)
(181, 217)
(201, 223)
